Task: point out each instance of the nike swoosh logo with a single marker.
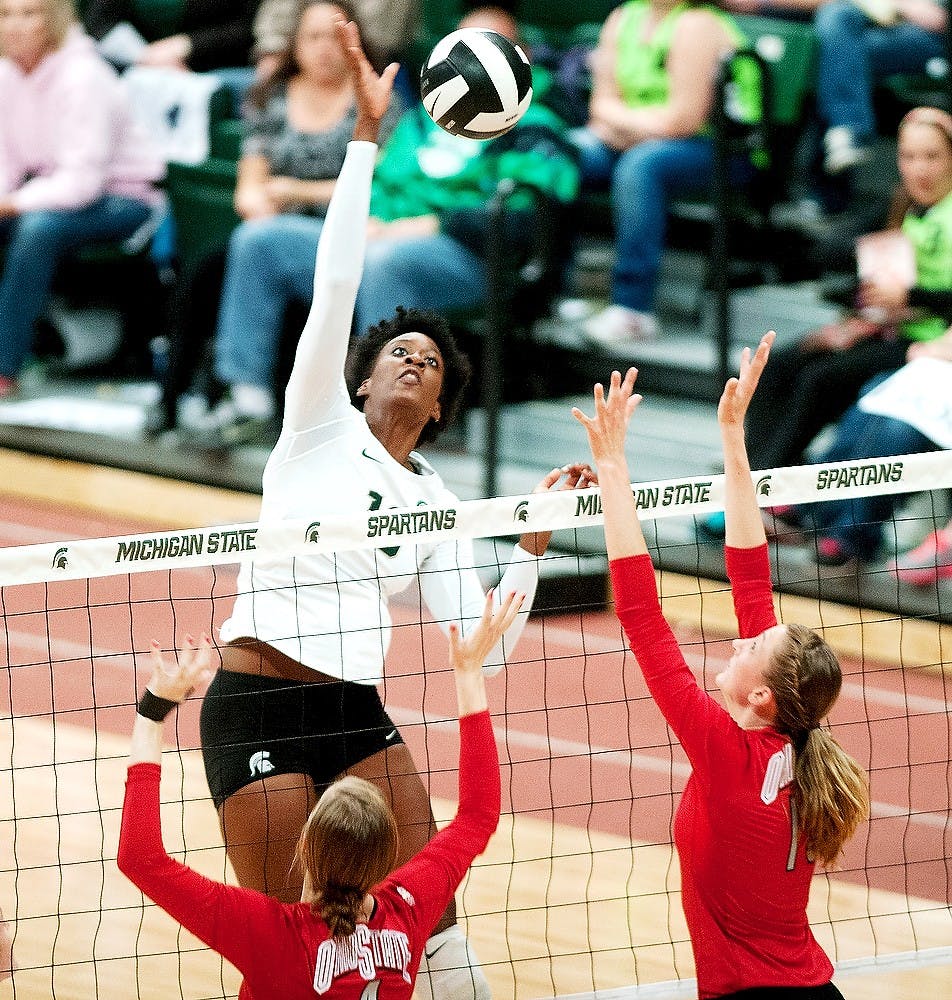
(430, 954)
(390, 735)
(373, 458)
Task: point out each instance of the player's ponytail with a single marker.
(348, 844)
(831, 793)
(830, 790)
(339, 907)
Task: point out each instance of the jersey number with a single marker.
(376, 500)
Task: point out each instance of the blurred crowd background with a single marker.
(165, 166)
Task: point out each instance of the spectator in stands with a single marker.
(812, 382)
(300, 120)
(928, 562)
(388, 26)
(860, 42)
(853, 529)
(74, 168)
(213, 34)
(426, 244)
(653, 75)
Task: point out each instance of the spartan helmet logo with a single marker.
(313, 534)
(521, 513)
(763, 486)
(258, 763)
(60, 558)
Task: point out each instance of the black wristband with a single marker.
(151, 706)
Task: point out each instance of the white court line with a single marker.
(546, 746)
(921, 704)
(630, 760)
(683, 989)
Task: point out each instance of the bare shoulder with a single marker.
(701, 30)
(609, 33)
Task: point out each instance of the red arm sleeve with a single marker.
(434, 874)
(749, 573)
(699, 722)
(237, 923)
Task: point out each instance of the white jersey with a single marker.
(330, 612)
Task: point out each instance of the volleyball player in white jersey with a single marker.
(295, 704)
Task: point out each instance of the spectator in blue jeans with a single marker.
(74, 167)
(653, 76)
(854, 52)
(425, 246)
(853, 529)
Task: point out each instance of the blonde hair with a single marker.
(830, 792)
(924, 115)
(348, 844)
(941, 121)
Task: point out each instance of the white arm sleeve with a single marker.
(317, 383)
(453, 593)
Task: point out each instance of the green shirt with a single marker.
(424, 170)
(642, 70)
(931, 236)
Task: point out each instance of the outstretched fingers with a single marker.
(739, 389)
(607, 428)
(176, 677)
(469, 652)
(372, 90)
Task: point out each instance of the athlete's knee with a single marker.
(449, 969)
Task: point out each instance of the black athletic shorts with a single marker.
(825, 992)
(253, 726)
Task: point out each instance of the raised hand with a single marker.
(739, 391)
(468, 653)
(174, 679)
(577, 476)
(608, 427)
(372, 91)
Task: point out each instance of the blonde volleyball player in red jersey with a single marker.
(771, 793)
(359, 930)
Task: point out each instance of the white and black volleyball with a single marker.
(476, 83)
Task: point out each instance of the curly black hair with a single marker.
(456, 366)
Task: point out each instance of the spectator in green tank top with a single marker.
(653, 75)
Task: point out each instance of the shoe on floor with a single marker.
(782, 524)
(927, 563)
(712, 527)
(843, 151)
(228, 426)
(619, 325)
(831, 552)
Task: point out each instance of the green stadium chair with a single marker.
(202, 200)
(157, 18)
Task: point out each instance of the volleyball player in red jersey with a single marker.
(359, 930)
(770, 792)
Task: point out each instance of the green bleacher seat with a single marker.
(202, 199)
(789, 49)
(225, 139)
(157, 18)
(564, 24)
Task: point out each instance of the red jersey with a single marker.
(745, 876)
(284, 951)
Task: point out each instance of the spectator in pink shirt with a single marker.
(74, 167)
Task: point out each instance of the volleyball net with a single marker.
(578, 894)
